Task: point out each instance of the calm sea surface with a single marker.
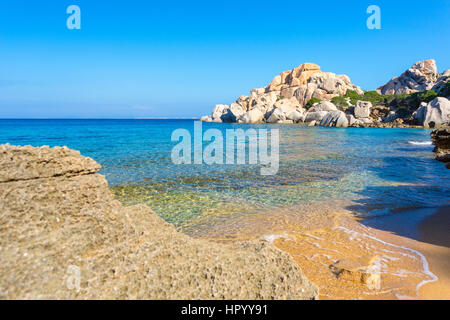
(380, 170)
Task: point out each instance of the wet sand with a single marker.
(406, 253)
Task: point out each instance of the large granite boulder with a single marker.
(287, 105)
(434, 114)
(276, 116)
(323, 106)
(218, 111)
(296, 116)
(441, 139)
(315, 116)
(232, 113)
(252, 116)
(335, 119)
(362, 109)
(63, 236)
(421, 76)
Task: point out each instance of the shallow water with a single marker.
(379, 170)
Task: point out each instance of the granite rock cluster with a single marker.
(289, 99)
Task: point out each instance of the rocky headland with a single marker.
(419, 97)
(441, 139)
(64, 236)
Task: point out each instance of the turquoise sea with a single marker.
(380, 170)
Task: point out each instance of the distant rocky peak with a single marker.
(421, 76)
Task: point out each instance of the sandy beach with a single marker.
(410, 267)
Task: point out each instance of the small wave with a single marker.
(420, 143)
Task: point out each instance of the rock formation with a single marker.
(421, 76)
(288, 92)
(434, 114)
(63, 236)
(441, 139)
(287, 99)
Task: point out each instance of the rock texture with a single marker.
(434, 114)
(441, 139)
(421, 76)
(288, 92)
(63, 236)
(287, 99)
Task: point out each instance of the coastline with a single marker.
(410, 268)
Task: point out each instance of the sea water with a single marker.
(380, 170)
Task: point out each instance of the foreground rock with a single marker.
(63, 236)
(441, 139)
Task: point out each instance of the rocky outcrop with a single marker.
(434, 114)
(421, 76)
(63, 236)
(289, 91)
(335, 119)
(441, 139)
(287, 99)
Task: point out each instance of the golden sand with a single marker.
(325, 241)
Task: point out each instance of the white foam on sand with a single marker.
(272, 237)
(425, 265)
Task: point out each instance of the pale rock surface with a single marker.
(296, 116)
(334, 119)
(276, 116)
(252, 116)
(59, 220)
(206, 119)
(323, 106)
(287, 105)
(315, 116)
(421, 76)
(362, 109)
(218, 111)
(351, 119)
(434, 114)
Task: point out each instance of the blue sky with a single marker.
(136, 59)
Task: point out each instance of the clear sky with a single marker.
(178, 58)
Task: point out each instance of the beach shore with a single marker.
(340, 252)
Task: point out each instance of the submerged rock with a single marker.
(365, 271)
(63, 236)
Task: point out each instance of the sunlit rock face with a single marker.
(421, 76)
(289, 91)
(64, 236)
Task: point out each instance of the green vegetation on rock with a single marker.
(311, 103)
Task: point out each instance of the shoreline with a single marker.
(410, 268)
